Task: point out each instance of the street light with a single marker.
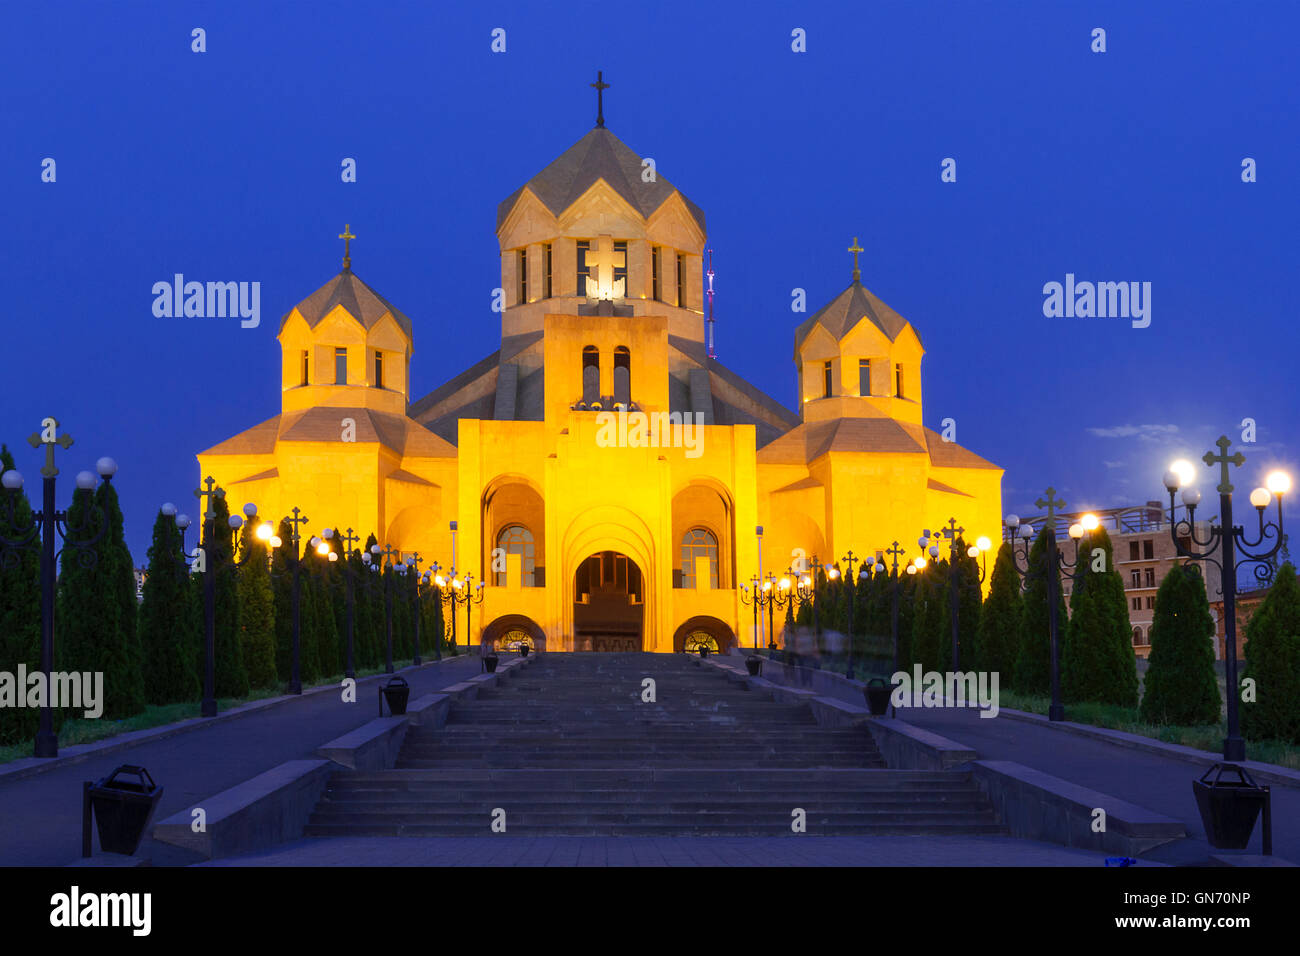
(1228, 538)
(1050, 574)
(48, 525)
(953, 533)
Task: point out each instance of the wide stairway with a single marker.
(569, 747)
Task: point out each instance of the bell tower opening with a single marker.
(608, 604)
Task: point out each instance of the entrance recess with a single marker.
(608, 604)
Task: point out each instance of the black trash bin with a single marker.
(523, 649)
(397, 692)
(704, 650)
(122, 808)
(490, 662)
(877, 694)
(754, 665)
(1229, 808)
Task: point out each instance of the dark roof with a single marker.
(846, 310)
(361, 302)
(598, 155)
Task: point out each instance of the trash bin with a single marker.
(397, 691)
(523, 649)
(490, 662)
(1229, 808)
(122, 808)
(704, 650)
(754, 665)
(877, 694)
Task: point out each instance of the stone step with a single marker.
(775, 814)
(697, 828)
(373, 801)
(643, 777)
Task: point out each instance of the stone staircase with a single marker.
(568, 747)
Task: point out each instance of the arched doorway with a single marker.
(507, 632)
(608, 603)
(703, 631)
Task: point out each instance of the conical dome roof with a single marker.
(359, 300)
(598, 155)
(847, 309)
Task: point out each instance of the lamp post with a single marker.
(1229, 539)
(48, 525)
(895, 584)
(852, 584)
(752, 598)
(379, 554)
(413, 566)
(805, 592)
(428, 580)
(1049, 573)
(206, 562)
(346, 541)
(778, 595)
(952, 532)
(295, 522)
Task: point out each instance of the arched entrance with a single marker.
(705, 631)
(507, 632)
(608, 603)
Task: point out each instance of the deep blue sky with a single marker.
(225, 166)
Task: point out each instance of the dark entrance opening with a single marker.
(608, 604)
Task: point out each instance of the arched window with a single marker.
(697, 639)
(516, 539)
(590, 374)
(622, 376)
(699, 543)
(1137, 637)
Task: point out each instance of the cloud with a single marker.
(1141, 432)
(1113, 464)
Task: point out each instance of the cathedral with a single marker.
(532, 474)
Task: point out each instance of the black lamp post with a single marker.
(952, 533)
(346, 541)
(1050, 574)
(207, 561)
(295, 522)
(413, 566)
(379, 554)
(779, 594)
(1228, 538)
(851, 583)
(753, 599)
(428, 580)
(895, 585)
(48, 525)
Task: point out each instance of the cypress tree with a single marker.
(166, 620)
(1000, 618)
(1272, 655)
(1181, 686)
(229, 677)
(87, 633)
(907, 589)
(309, 638)
(124, 696)
(256, 610)
(928, 601)
(1034, 654)
(969, 601)
(1097, 661)
(327, 635)
(20, 605)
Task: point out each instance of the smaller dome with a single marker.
(846, 310)
(359, 300)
